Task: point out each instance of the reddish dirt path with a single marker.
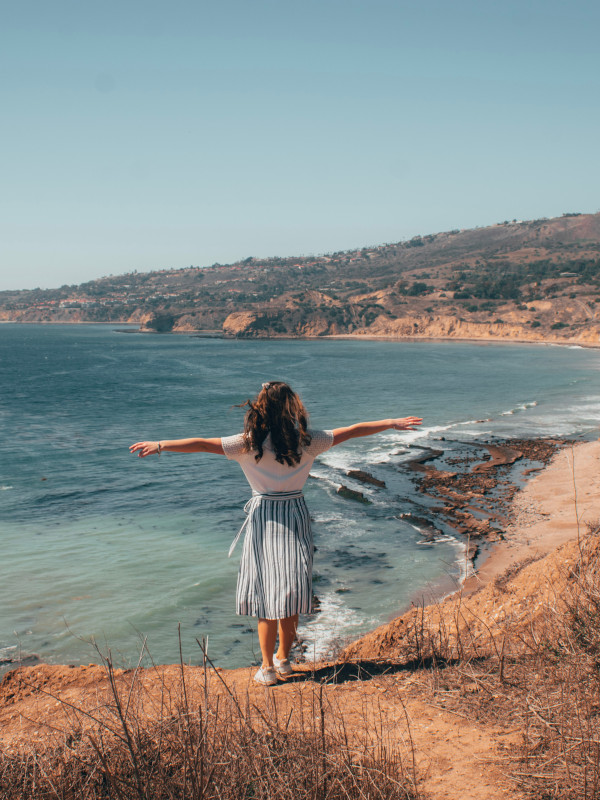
(455, 758)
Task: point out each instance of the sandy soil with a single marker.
(456, 757)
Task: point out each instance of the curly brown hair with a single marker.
(279, 411)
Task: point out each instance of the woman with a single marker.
(275, 451)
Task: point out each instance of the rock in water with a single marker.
(352, 494)
(365, 477)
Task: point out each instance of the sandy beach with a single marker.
(554, 507)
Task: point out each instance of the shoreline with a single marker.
(369, 337)
(487, 551)
(62, 322)
(553, 507)
(550, 519)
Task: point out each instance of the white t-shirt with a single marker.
(268, 475)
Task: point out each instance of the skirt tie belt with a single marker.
(254, 503)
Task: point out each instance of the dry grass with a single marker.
(541, 680)
(220, 747)
(561, 701)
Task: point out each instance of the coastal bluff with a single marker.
(529, 281)
(452, 686)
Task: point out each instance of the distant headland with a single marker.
(536, 280)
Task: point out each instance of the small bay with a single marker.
(100, 545)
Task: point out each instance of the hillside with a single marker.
(536, 280)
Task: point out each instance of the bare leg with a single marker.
(287, 634)
(267, 635)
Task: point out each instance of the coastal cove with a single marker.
(101, 545)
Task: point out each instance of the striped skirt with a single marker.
(275, 575)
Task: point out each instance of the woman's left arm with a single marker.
(197, 445)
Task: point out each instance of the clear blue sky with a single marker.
(141, 134)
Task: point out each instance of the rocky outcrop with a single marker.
(365, 477)
(352, 494)
(241, 323)
(158, 323)
(279, 323)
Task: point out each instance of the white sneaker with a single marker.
(283, 667)
(267, 676)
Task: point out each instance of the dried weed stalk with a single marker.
(206, 744)
(539, 679)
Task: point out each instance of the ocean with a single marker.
(102, 550)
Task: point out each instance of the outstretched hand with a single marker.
(406, 423)
(144, 448)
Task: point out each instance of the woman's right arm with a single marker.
(197, 445)
(369, 428)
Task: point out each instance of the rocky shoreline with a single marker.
(430, 329)
(464, 489)
(553, 510)
(475, 495)
(467, 487)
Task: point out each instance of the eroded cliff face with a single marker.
(253, 324)
(412, 326)
(246, 324)
(241, 323)
(317, 326)
(446, 327)
(442, 327)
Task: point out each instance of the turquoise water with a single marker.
(100, 545)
